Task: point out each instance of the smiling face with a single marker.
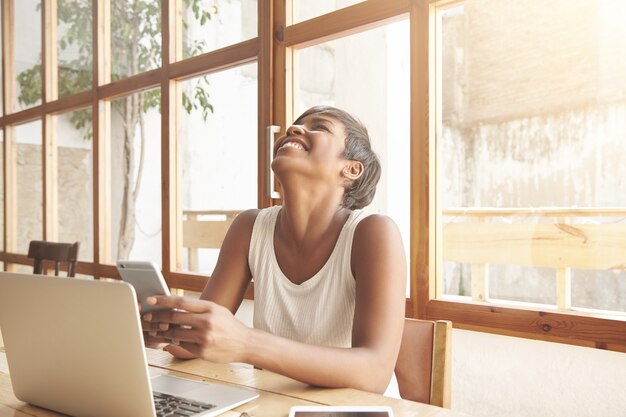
(311, 135)
(329, 144)
(310, 153)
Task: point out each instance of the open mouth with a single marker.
(295, 145)
(291, 143)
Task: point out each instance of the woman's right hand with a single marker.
(151, 340)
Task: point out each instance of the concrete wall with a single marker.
(507, 376)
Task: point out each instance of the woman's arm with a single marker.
(379, 267)
(227, 285)
(231, 276)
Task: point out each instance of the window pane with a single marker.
(519, 283)
(74, 46)
(135, 37)
(75, 180)
(210, 25)
(612, 297)
(24, 269)
(219, 160)
(136, 177)
(1, 69)
(27, 46)
(306, 9)
(601, 289)
(378, 94)
(1, 191)
(29, 185)
(534, 117)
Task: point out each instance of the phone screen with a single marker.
(341, 414)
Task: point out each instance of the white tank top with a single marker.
(320, 311)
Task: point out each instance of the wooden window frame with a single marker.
(597, 330)
(273, 50)
(99, 98)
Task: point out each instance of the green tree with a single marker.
(136, 34)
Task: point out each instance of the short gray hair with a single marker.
(360, 192)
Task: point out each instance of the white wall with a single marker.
(496, 375)
(508, 376)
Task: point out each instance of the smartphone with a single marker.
(147, 279)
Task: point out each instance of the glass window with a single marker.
(74, 46)
(1, 192)
(1, 69)
(135, 37)
(367, 74)
(507, 282)
(528, 136)
(75, 180)
(29, 184)
(304, 9)
(219, 159)
(27, 47)
(213, 24)
(136, 177)
(611, 298)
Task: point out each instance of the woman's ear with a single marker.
(352, 171)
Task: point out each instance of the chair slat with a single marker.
(42, 251)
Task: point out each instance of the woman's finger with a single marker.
(192, 305)
(154, 326)
(181, 318)
(180, 334)
(154, 342)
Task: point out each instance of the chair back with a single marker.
(423, 368)
(42, 251)
(204, 230)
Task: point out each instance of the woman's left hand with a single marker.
(204, 328)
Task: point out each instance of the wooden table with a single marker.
(278, 393)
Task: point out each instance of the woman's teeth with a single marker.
(293, 145)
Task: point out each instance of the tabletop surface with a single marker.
(278, 393)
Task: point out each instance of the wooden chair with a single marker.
(42, 251)
(204, 230)
(423, 368)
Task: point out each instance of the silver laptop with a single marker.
(75, 346)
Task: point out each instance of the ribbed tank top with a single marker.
(319, 311)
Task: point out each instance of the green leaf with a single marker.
(29, 81)
(136, 39)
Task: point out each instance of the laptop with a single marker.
(76, 347)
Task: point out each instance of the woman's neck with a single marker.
(309, 216)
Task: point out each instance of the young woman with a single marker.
(329, 279)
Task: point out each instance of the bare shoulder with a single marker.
(377, 239)
(241, 228)
(376, 232)
(246, 218)
(375, 224)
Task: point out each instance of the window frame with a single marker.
(99, 98)
(596, 330)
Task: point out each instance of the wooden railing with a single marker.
(560, 238)
(204, 230)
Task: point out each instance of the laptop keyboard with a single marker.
(167, 405)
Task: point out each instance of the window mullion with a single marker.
(49, 79)
(101, 118)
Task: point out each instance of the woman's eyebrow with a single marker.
(318, 119)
